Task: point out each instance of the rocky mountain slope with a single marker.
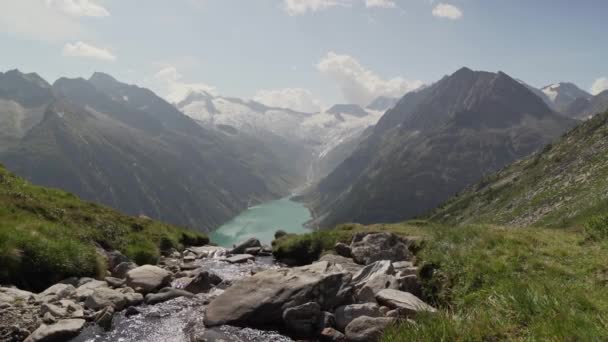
(584, 108)
(434, 143)
(125, 147)
(563, 185)
(563, 94)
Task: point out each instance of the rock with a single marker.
(189, 259)
(332, 335)
(104, 297)
(70, 281)
(48, 318)
(10, 295)
(343, 249)
(148, 278)
(383, 267)
(384, 310)
(405, 302)
(379, 282)
(303, 320)
(402, 265)
(165, 295)
(368, 248)
(328, 320)
(55, 310)
(251, 242)
(347, 313)
(60, 331)
(346, 263)
(262, 298)
(104, 318)
(84, 280)
(240, 258)
(175, 255)
(208, 251)
(367, 329)
(57, 292)
(411, 284)
(86, 290)
(115, 282)
(116, 258)
(121, 270)
(133, 298)
(203, 282)
(279, 234)
(253, 250)
(131, 311)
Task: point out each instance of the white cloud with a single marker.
(298, 7)
(360, 85)
(171, 84)
(81, 49)
(599, 85)
(33, 19)
(293, 98)
(79, 8)
(447, 11)
(380, 3)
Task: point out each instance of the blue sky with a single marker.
(305, 53)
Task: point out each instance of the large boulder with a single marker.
(346, 263)
(148, 278)
(202, 282)
(10, 295)
(347, 313)
(407, 304)
(373, 278)
(367, 329)
(251, 242)
(88, 288)
(57, 292)
(261, 299)
(343, 249)
(61, 331)
(104, 297)
(304, 320)
(368, 248)
(121, 270)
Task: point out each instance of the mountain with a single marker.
(561, 186)
(311, 143)
(563, 94)
(434, 143)
(382, 103)
(125, 147)
(583, 108)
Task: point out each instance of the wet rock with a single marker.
(405, 302)
(121, 270)
(165, 295)
(249, 243)
(60, 331)
(203, 282)
(104, 297)
(240, 258)
(115, 282)
(104, 318)
(343, 249)
(148, 278)
(347, 313)
(332, 335)
(368, 248)
(367, 329)
(303, 320)
(261, 299)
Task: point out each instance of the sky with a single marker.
(305, 54)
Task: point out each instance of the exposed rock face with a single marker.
(250, 243)
(303, 320)
(367, 329)
(148, 278)
(346, 263)
(405, 302)
(347, 313)
(60, 331)
(369, 248)
(260, 300)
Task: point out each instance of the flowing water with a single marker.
(262, 221)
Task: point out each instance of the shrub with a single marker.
(596, 228)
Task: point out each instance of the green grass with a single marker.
(492, 283)
(47, 235)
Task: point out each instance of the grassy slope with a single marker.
(562, 186)
(47, 235)
(493, 283)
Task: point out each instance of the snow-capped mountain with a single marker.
(319, 132)
(563, 94)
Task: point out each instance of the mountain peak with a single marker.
(349, 109)
(563, 94)
(102, 77)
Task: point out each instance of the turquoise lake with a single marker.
(262, 221)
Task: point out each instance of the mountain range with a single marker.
(432, 144)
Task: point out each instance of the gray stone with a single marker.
(48, 318)
(10, 295)
(104, 318)
(60, 331)
(208, 251)
(332, 335)
(411, 284)
(347, 313)
(303, 320)
(405, 302)
(86, 290)
(251, 242)
(343, 249)
(368, 248)
(253, 250)
(165, 295)
(121, 270)
(148, 278)
(104, 297)
(367, 329)
(260, 300)
(57, 292)
(189, 258)
(346, 263)
(115, 282)
(379, 282)
(203, 282)
(240, 258)
(115, 258)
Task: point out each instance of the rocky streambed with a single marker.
(215, 294)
